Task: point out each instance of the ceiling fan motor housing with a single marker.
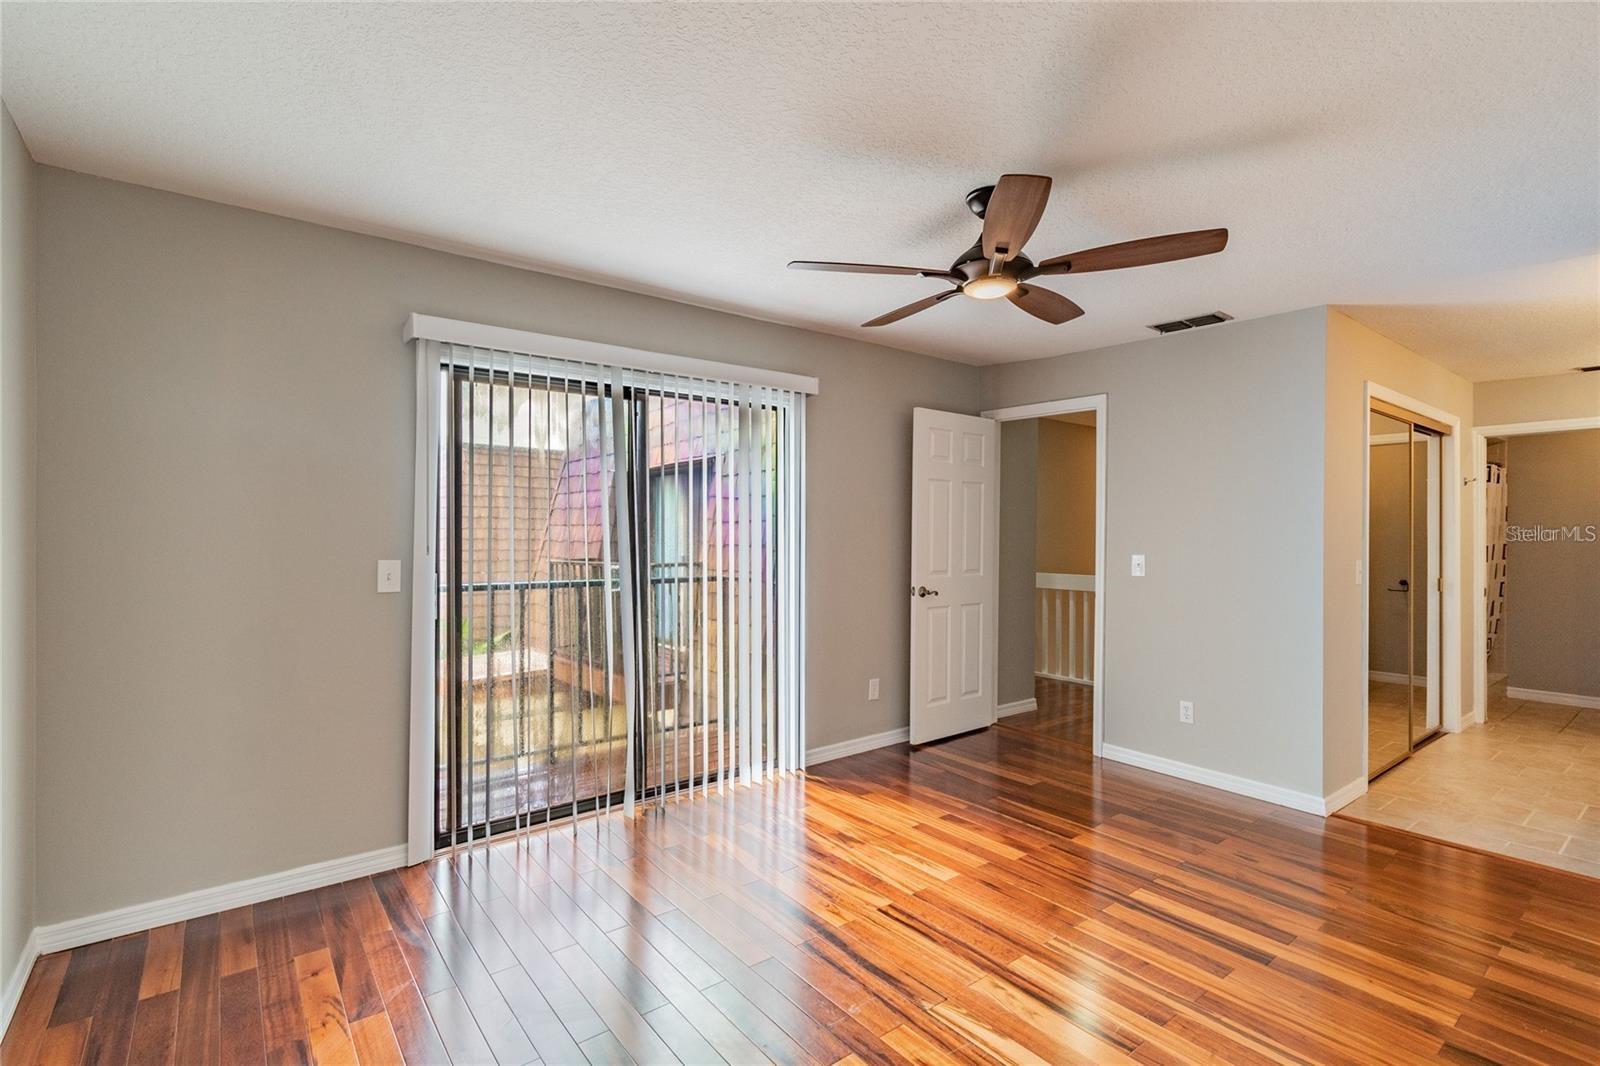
(973, 264)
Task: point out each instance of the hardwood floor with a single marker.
(1065, 715)
(998, 897)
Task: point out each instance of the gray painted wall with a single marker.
(1214, 458)
(1553, 586)
(225, 448)
(18, 248)
(1019, 472)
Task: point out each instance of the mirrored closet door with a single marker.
(1405, 516)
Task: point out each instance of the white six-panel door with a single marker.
(955, 582)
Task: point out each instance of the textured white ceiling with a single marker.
(1433, 169)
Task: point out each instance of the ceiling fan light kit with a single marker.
(995, 268)
(990, 286)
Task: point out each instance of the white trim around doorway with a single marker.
(1480, 533)
(1073, 405)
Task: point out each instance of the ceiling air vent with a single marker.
(1192, 323)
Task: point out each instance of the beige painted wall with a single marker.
(225, 413)
(1214, 460)
(1553, 587)
(18, 336)
(1019, 462)
(1064, 541)
(1355, 355)
(1498, 403)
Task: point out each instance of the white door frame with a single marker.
(1097, 404)
(1450, 564)
(1480, 536)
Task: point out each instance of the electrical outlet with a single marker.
(1138, 566)
(872, 688)
(1186, 712)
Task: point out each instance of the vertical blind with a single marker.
(615, 589)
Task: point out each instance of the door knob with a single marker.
(923, 590)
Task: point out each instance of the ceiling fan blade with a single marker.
(1015, 207)
(1142, 252)
(912, 308)
(869, 268)
(1052, 307)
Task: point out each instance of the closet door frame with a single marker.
(1396, 404)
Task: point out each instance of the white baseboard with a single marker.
(95, 927)
(1016, 707)
(1391, 678)
(1063, 677)
(1566, 699)
(1240, 786)
(1340, 797)
(829, 752)
(11, 992)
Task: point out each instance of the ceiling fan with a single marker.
(996, 267)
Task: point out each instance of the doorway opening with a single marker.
(976, 647)
(1539, 508)
(1051, 611)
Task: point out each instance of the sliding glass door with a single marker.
(531, 711)
(713, 510)
(616, 603)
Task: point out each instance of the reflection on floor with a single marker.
(1065, 714)
(1387, 737)
(998, 897)
(1525, 784)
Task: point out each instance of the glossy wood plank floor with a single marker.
(998, 897)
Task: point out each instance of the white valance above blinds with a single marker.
(594, 353)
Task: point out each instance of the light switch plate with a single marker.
(388, 575)
(1138, 566)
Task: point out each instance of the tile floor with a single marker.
(1526, 784)
(1387, 710)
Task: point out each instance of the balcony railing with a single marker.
(558, 725)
